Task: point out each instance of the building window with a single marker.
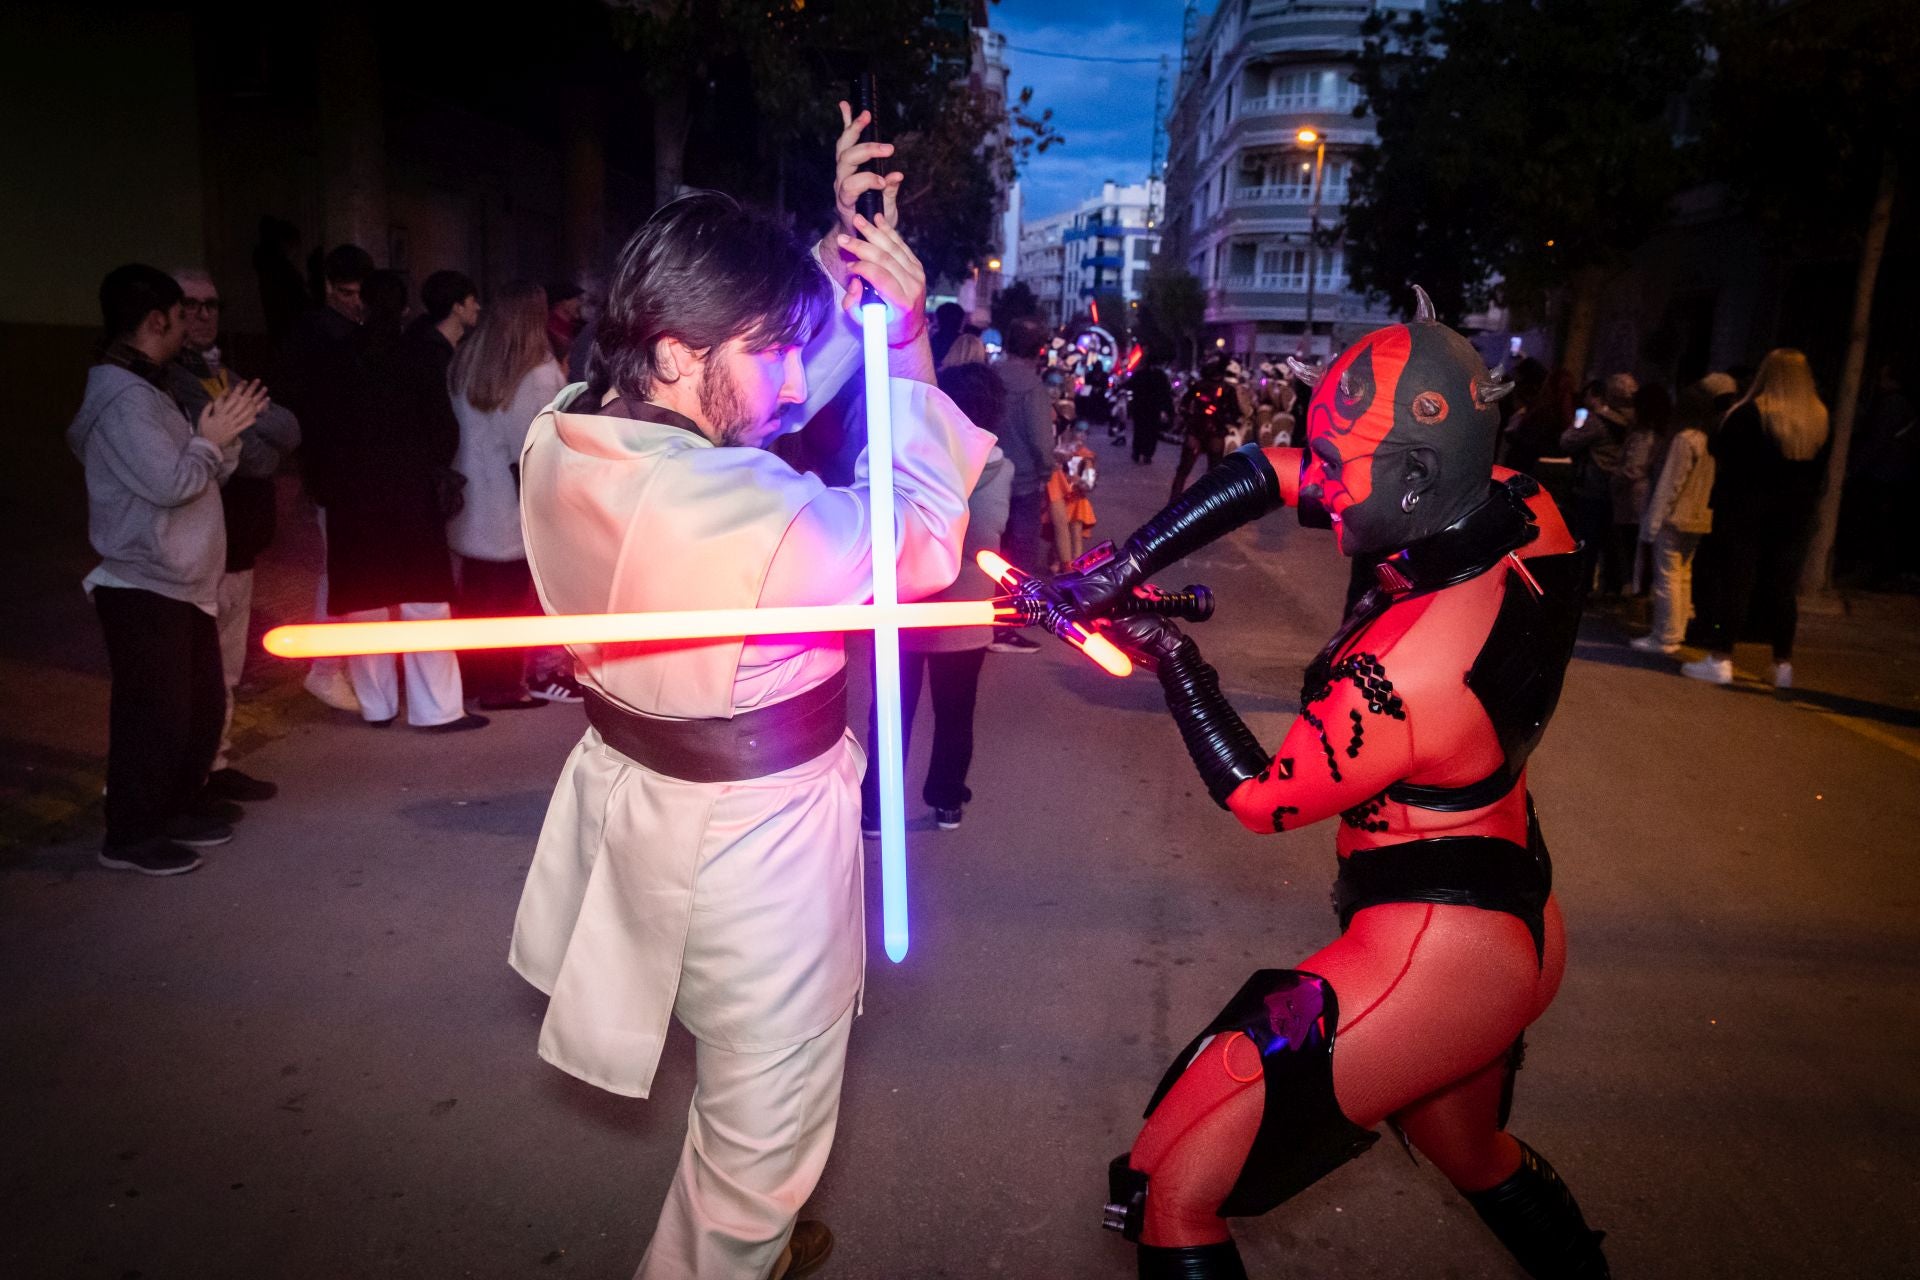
(1143, 250)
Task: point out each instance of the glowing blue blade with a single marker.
(891, 766)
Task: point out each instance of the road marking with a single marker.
(1872, 732)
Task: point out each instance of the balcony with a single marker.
(1288, 104)
(1271, 282)
(1299, 200)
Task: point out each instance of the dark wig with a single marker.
(704, 270)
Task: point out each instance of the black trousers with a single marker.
(165, 710)
(494, 589)
(955, 678)
(1146, 435)
(1020, 541)
(1756, 578)
(1191, 448)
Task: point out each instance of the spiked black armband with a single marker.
(1240, 489)
(1224, 750)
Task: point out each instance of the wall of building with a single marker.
(1241, 188)
(100, 170)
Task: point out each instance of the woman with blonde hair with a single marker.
(502, 376)
(1769, 465)
(966, 349)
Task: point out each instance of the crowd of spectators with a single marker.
(406, 422)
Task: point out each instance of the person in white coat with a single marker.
(701, 855)
(503, 374)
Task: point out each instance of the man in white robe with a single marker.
(735, 905)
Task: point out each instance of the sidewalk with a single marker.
(53, 669)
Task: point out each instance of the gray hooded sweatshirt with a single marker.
(153, 490)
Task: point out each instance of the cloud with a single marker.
(1104, 110)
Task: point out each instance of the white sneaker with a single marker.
(327, 680)
(1710, 669)
(1783, 675)
(1652, 644)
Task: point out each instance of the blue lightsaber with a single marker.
(891, 766)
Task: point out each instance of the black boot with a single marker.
(1192, 1262)
(1535, 1216)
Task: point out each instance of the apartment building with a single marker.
(1103, 245)
(1265, 100)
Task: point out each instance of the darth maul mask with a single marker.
(1400, 435)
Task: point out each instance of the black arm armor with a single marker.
(1224, 750)
(1240, 489)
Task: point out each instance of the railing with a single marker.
(1331, 196)
(1280, 282)
(1292, 103)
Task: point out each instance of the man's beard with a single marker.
(720, 406)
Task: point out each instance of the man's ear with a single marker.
(674, 360)
(1420, 471)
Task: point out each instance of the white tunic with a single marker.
(738, 905)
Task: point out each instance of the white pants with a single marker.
(322, 671)
(434, 695)
(758, 1134)
(232, 614)
(1673, 583)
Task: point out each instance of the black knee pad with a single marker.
(1126, 1208)
(1291, 1017)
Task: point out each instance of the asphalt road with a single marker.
(310, 1059)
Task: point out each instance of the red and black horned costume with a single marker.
(1415, 726)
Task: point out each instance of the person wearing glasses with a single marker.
(197, 376)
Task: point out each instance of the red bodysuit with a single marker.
(1431, 996)
(1415, 727)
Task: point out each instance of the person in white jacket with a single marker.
(1678, 514)
(701, 855)
(503, 375)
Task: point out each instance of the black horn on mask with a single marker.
(1423, 306)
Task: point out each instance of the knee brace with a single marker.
(1291, 1017)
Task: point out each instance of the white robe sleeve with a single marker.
(826, 554)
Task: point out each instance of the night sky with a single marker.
(1104, 109)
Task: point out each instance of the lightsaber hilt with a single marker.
(868, 204)
(1195, 604)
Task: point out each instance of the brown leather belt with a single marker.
(754, 744)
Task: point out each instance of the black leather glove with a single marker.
(1147, 639)
(1242, 488)
(1224, 750)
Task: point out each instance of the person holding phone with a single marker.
(1597, 444)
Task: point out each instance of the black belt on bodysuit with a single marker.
(753, 744)
(1461, 871)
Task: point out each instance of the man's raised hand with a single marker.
(850, 181)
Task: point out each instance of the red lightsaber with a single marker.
(1091, 643)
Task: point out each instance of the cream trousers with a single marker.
(758, 1134)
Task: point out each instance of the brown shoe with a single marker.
(808, 1249)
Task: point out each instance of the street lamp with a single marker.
(1311, 138)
